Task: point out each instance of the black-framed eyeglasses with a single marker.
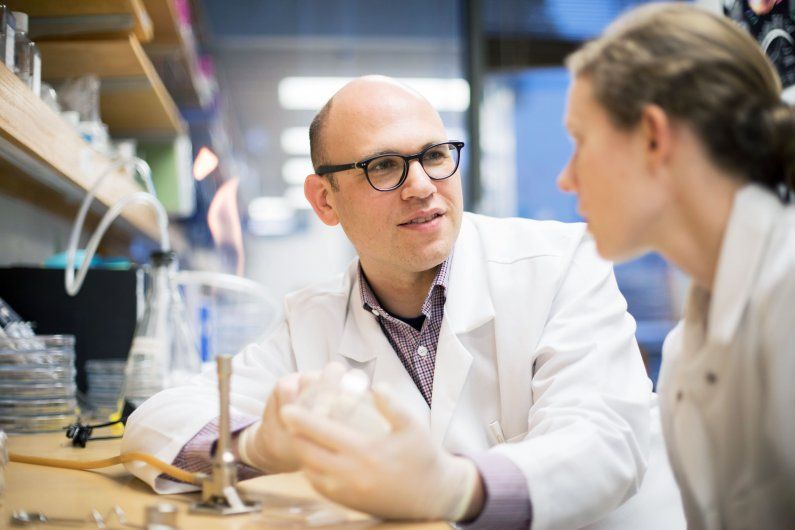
(388, 171)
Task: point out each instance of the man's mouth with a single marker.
(421, 220)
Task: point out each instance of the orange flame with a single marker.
(205, 163)
(223, 218)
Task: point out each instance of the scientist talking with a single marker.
(504, 362)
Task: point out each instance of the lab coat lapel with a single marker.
(364, 346)
(469, 303)
(453, 362)
(468, 306)
(362, 339)
(744, 243)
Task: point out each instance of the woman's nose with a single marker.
(566, 181)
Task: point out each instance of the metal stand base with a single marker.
(223, 509)
(229, 503)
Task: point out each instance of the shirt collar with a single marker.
(370, 302)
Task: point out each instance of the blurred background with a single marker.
(217, 96)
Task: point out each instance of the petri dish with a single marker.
(31, 407)
(37, 390)
(34, 424)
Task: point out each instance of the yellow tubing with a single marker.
(168, 469)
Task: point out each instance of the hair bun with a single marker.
(782, 122)
(782, 118)
(765, 134)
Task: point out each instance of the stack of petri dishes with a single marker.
(105, 380)
(37, 383)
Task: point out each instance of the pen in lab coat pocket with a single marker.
(496, 432)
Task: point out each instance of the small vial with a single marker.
(7, 36)
(27, 59)
(161, 516)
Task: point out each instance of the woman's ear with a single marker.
(657, 135)
(318, 190)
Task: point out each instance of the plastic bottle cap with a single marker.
(163, 257)
(72, 117)
(22, 20)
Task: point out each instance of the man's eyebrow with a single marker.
(395, 152)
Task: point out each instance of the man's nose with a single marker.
(418, 184)
(566, 181)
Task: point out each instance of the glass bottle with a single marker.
(7, 36)
(163, 352)
(27, 59)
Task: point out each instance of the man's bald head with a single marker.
(360, 99)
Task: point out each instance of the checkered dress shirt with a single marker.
(415, 348)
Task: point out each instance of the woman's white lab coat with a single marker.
(535, 337)
(728, 379)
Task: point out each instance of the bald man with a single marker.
(506, 363)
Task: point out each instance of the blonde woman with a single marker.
(683, 146)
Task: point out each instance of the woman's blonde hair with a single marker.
(704, 70)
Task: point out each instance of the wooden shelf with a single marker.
(44, 161)
(165, 22)
(173, 52)
(133, 101)
(76, 17)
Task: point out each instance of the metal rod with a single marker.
(224, 367)
(219, 495)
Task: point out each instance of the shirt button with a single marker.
(679, 396)
(711, 378)
(376, 313)
(422, 351)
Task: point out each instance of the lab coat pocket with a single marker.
(517, 438)
(497, 435)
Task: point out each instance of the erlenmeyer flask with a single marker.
(163, 352)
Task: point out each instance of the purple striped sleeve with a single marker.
(507, 504)
(196, 455)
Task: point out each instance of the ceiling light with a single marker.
(311, 93)
(295, 170)
(295, 140)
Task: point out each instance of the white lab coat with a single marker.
(535, 336)
(728, 377)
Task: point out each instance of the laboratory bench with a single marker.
(65, 493)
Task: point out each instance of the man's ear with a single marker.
(317, 190)
(657, 134)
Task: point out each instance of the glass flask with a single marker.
(163, 351)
